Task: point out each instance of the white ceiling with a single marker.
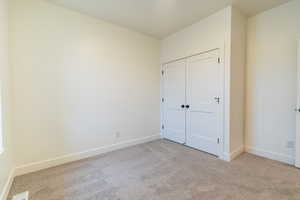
(160, 18)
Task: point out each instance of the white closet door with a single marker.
(204, 92)
(174, 101)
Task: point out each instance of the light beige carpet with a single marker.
(162, 170)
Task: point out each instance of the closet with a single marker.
(193, 101)
(202, 89)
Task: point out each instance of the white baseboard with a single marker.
(271, 155)
(7, 186)
(32, 167)
(234, 154)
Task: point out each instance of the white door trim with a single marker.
(297, 142)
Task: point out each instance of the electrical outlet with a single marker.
(21, 196)
(290, 144)
(118, 134)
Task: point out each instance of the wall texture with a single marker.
(271, 81)
(77, 81)
(6, 160)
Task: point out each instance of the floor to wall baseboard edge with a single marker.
(8, 184)
(33, 167)
(233, 154)
(271, 155)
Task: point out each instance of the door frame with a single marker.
(222, 96)
(297, 141)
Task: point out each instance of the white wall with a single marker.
(77, 81)
(205, 35)
(237, 80)
(271, 81)
(6, 160)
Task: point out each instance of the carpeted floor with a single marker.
(162, 170)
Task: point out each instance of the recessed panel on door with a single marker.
(204, 100)
(174, 101)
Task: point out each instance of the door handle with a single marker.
(217, 99)
(182, 106)
(187, 106)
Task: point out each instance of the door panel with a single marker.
(204, 83)
(174, 97)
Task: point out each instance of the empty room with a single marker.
(149, 100)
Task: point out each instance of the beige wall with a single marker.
(6, 160)
(77, 81)
(271, 81)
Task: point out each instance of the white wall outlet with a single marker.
(118, 134)
(21, 196)
(290, 144)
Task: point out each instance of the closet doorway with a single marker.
(193, 101)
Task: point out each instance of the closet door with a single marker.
(204, 102)
(174, 101)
